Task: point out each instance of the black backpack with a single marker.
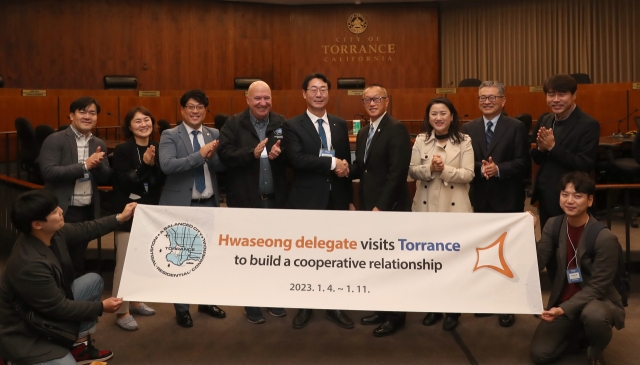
(621, 281)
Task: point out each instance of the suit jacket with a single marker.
(238, 139)
(383, 177)
(178, 162)
(446, 191)
(509, 150)
(576, 149)
(60, 168)
(314, 181)
(34, 276)
(597, 276)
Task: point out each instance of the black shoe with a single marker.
(212, 310)
(450, 323)
(372, 319)
(483, 314)
(340, 318)
(506, 320)
(431, 318)
(302, 318)
(386, 329)
(184, 319)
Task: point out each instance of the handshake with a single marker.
(342, 168)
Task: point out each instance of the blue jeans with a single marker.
(87, 288)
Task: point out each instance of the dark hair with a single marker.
(83, 103)
(195, 94)
(582, 183)
(34, 205)
(126, 122)
(454, 127)
(317, 75)
(560, 83)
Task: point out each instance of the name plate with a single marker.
(355, 92)
(148, 93)
(536, 89)
(635, 86)
(34, 92)
(446, 90)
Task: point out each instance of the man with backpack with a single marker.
(584, 303)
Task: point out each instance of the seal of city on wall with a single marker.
(178, 249)
(357, 23)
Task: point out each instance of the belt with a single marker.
(202, 200)
(267, 196)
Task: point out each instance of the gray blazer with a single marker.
(597, 277)
(60, 169)
(178, 162)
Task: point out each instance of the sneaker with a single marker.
(84, 352)
(127, 323)
(142, 309)
(277, 312)
(254, 315)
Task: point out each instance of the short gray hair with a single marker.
(496, 84)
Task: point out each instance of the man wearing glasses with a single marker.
(501, 154)
(383, 154)
(317, 146)
(73, 164)
(188, 157)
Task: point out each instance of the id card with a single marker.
(574, 276)
(327, 153)
(86, 177)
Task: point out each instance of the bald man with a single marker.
(250, 147)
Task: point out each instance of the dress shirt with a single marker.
(83, 191)
(208, 190)
(327, 132)
(266, 177)
(376, 123)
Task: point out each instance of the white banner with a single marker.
(397, 261)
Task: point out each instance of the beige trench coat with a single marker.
(446, 191)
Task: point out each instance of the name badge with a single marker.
(327, 153)
(85, 178)
(146, 188)
(574, 276)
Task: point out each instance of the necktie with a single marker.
(323, 136)
(369, 138)
(199, 176)
(489, 133)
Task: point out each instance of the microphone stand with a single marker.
(618, 134)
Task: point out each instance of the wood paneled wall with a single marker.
(169, 45)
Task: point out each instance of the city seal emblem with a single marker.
(357, 23)
(178, 249)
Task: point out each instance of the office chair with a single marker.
(42, 132)
(163, 125)
(581, 78)
(470, 83)
(527, 120)
(219, 120)
(28, 149)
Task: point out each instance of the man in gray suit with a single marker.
(188, 158)
(584, 302)
(73, 164)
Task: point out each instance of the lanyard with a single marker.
(575, 248)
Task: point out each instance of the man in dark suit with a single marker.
(250, 149)
(567, 140)
(501, 155)
(317, 147)
(188, 157)
(584, 301)
(39, 276)
(73, 164)
(383, 154)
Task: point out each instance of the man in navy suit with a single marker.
(317, 146)
(188, 157)
(501, 154)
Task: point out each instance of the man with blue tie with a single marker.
(188, 158)
(317, 146)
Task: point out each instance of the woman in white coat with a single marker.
(442, 165)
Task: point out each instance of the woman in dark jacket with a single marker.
(138, 178)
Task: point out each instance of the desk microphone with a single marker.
(114, 116)
(628, 115)
(16, 81)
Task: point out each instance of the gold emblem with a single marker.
(357, 23)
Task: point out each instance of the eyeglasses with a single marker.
(375, 100)
(491, 98)
(198, 107)
(315, 90)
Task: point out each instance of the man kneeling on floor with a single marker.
(38, 282)
(584, 304)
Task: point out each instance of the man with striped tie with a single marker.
(383, 154)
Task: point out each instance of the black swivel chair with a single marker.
(219, 120)
(581, 78)
(42, 132)
(470, 83)
(527, 120)
(163, 125)
(63, 127)
(28, 150)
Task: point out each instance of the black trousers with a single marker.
(78, 250)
